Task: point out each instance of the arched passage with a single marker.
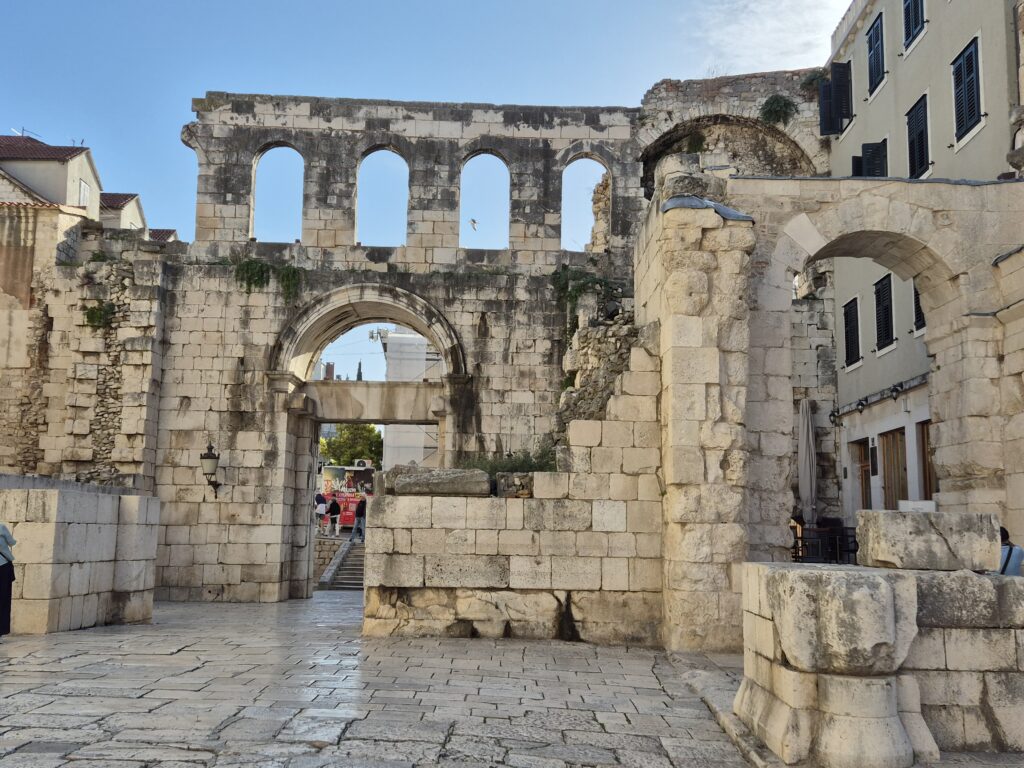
(881, 433)
(336, 312)
(277, 196)
(748, 145)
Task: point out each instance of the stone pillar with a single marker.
(967, 414)
(704, 340)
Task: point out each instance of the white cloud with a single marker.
(739, 36)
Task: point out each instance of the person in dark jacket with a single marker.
(360, 524)
(334, 513)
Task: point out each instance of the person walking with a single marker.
(360, 524)
(320, 512)
(6, 578)
(1011, 556)
(334, 513)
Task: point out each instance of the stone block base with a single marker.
(611, 618)
(930, 541)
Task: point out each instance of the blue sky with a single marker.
(121, 75)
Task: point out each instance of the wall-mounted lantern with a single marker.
(209, 461)
(833, 416)
(896, 391)
(861, 405)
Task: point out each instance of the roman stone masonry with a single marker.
(86, 555)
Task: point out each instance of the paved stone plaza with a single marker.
(292, 684)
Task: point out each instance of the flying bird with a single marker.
(472, 223)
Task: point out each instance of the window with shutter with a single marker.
(918, 312)
(966, 90)
(827, 123)
(876, 55)
(858, 165)
(875, 159)
(841, 75)
(917, 138)
(851, 331)
(913, 20)
(883, 313)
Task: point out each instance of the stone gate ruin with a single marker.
(126, 358)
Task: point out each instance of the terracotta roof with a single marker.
(27, 148)
(28, 205)
(116, 200)
(162, 235)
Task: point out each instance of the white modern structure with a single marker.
(408, 357)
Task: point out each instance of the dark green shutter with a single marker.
(966, 90)
(918, 312)
(883, 313)
(827, 124)
(917, 138)
(913, 19)
(875, 159)
(851, 332)
(876, 55)
(858, 166)
(842, 90)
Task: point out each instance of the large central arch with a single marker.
(333, 313)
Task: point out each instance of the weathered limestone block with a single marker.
(931, 541)
(956, 599)
(788, 732)
(443, 482)
(843, 620)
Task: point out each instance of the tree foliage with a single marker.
(352, 442)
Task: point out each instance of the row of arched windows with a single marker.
(382, 200)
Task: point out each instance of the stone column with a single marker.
(704, 342)
(967, 414)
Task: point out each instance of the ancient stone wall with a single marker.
(564, 563)
(597, 354)
(719, 121)
(814, 379)
(84, 557)
(334, 135)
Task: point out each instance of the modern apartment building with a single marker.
(923, 88)
(915, 89)
(409, 357)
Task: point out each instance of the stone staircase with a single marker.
(349, 572)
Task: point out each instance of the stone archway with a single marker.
(962, 337)
(299, 405)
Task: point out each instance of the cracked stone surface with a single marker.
(292, 685)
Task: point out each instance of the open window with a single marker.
(484, 203)
(382, 199)
(277, 196)
(586, 206)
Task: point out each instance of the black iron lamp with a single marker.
(209, 461)
(833, 416)
(896, 391)
(861, 405)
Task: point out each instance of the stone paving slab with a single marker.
(292, 685)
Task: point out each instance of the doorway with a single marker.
(893, 445)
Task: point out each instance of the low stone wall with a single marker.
(85, 557)
(836, 657)
(326, 548)
(540, 568)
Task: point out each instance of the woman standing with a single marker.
(6, 578)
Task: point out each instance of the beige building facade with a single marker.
(943, 76)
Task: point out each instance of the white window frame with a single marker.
(924, 31)
(84, 193)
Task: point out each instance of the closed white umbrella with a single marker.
(806, 461)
